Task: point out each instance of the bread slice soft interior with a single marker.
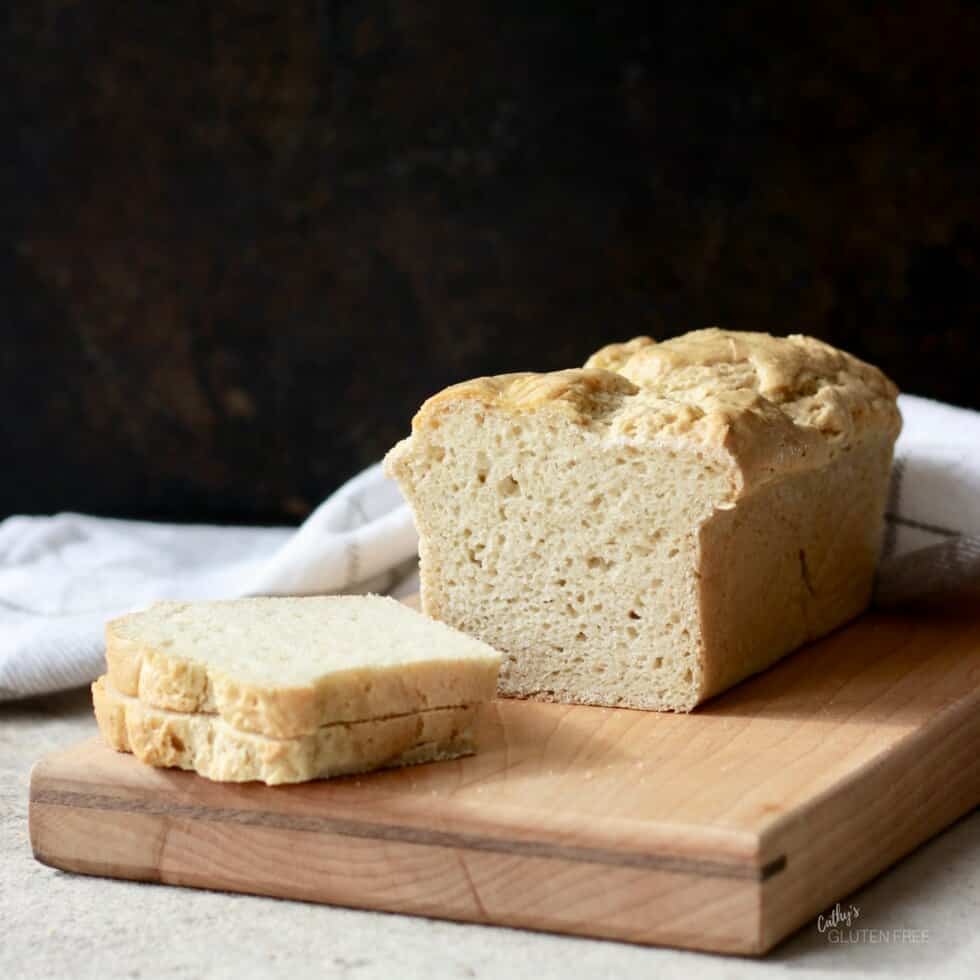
(574, 554)
(284, 667)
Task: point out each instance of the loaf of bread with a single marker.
(284, 690)
(649, 529)
(211, 747)
(284, 667)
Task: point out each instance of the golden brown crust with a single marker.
(814, 384)
(583, 394)
(790, 563)
(768, 405)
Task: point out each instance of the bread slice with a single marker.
(211, 747)
(285, 667)
(650, 529)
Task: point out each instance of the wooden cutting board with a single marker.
(722, 830)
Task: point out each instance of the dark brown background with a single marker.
(242, 242)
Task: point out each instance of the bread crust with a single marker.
(790, 563)
(769, 405)
(209, 746)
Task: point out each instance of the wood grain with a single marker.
(723, 830)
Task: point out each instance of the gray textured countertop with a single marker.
(58, 925)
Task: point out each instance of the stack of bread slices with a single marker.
(284, 690)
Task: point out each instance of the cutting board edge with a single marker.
(935, 768)
(57, 780)
(625, 904)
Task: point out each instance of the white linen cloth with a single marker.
(932, 530)
(62, 577)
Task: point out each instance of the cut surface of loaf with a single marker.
(284, 667)
(649, 529)
(211, 747)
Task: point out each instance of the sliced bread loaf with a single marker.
(650, 529)
(284, 667)
(211, 747)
